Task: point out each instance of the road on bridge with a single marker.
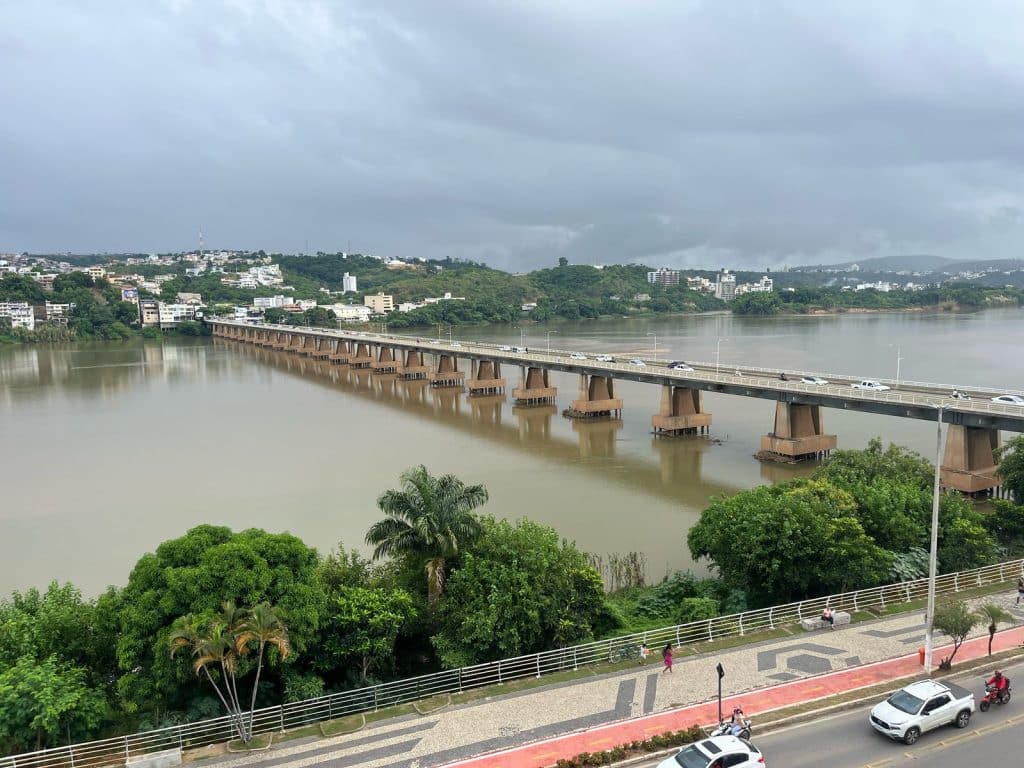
(847, 741)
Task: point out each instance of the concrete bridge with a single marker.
(796, 432)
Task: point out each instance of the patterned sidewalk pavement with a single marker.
(534, 728)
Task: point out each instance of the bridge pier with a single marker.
(386, 362)
(969, 464)
(798, 434)
(413, 367)
(447, 373)
(596, 399)
(682, 412)
(308, 347)
(362, 357)
(340, 354)
(534, 387)
(321, 348)
(486, 378)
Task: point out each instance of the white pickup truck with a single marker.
(920, 707)
(871, 385)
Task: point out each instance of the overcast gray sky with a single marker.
(680, 132)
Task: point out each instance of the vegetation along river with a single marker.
(109, 449)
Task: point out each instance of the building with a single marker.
(149, 312)
(701, 284)
(725, 286)
(305, 304)
(447, 297)
(348, 283)
(58, 313)
(379, 303)
(20, 313)
(97, 273)
(131, 295)
(664, 276)
(189, 298)
(172, 314)
(351, 313)
(272, 302)
(764, 285)
(409, 306)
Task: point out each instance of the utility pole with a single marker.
(940, 450)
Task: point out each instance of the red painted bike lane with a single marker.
(545, 753)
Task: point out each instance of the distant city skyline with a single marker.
(681, 133)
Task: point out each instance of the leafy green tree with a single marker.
(428, 520)
(993, 615)
(788, 541)
(864, 467)
(362, 626)
(1011, 466)
(43, 702)
(518, 589)
(955, 620)
(756, 304)
(195, 574)
(1006, 523)
(223, 642)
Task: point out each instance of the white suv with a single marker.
(718, 751)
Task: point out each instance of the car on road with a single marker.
(504, 348)
(871, 385)
(716, 752)
(815, 380)
(638, 362)
(679, 365)
(435, 341)
(1009, 399)
(577, 356)
(454, 344)
(605, 359)
(920, 707)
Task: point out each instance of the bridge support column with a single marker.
(414, 367)
(534, 387)
(486, 378)
(321, 348)
(682, 412)
(308, 347)
(596, 399)
(295, 342)
(798, 434)
(386, 362)
(969, 465)
(362, 357)
(447, 373)
(340, 355)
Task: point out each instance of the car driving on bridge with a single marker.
(638, 362)
(815, 380)
(605, 359)
(577, 356)
(871, 385)
(1009, 399)
(679, 365)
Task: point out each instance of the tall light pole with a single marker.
(449, 334)
(439, 331)
(549, 339)
(718, 352)
(899, 359)
(655, 344)
(940, 450)
(522, 337)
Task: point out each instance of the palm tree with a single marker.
(429, 518)
(264, 627)
(221, 641)
(994, 615)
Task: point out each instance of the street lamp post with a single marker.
(940, 451)
(718, 352)
(522, 337)
(899, 359)
(449, 334)
(655, 344)
(549, 339)
(439, 331)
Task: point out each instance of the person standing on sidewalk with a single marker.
(643, 653)
(667, 656)
(1020, 588)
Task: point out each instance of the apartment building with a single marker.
(725, 286)
(380, 303)
(663, 276)
(20, 313)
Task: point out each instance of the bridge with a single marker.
(797, 430)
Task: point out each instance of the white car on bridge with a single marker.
(815, 380)
(605, 359)
(577, 356)
(638, 362)
(1009, 399)
(871, 385)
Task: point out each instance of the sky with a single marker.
(746, 134)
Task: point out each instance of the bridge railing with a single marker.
(119, 750)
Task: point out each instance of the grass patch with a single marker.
(258, 743)
(343, 725)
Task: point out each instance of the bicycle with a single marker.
(624, 653)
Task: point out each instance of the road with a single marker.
(847, 741)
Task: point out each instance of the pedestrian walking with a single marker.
(1020, 589)
(667, 656)
(644, 651)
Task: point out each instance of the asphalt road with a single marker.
(847, 741)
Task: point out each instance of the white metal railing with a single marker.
(116, 751)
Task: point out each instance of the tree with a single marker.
(562, 261)
(1011, 466)
(430, 519)
(222, 642)
(994, 615)
(955, 620)
(43, 702)
(363, 625)
(788, 541)
(519, 589)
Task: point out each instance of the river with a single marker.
(109, 449)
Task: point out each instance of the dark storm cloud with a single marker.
(742, 133)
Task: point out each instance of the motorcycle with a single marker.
(727, 728)
(994, 696)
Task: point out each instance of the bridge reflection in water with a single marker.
(524, 428)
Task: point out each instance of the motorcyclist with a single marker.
(736, 722)
(998, 681)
